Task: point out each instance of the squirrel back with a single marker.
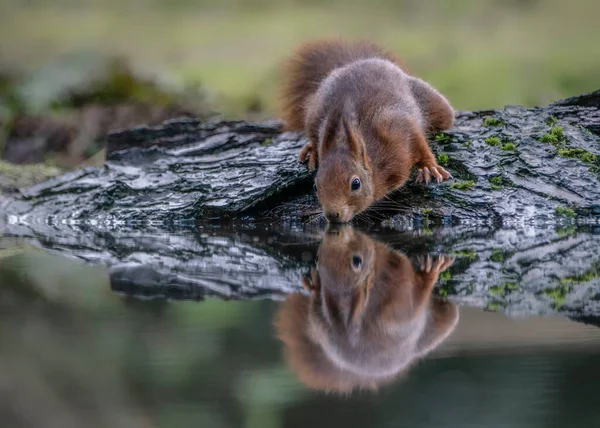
(366, 120)
(311, 64)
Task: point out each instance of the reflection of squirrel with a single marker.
(366, 121)
(369, 315)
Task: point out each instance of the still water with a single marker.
(364, 339)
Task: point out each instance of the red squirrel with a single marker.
(366, 120)
(369, 317)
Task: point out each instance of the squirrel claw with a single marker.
(426, 173)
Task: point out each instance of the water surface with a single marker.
(375, 346)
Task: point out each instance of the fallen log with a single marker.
(522, 216)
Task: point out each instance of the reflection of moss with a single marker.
(558, 295)
(497, 255)
(587, 276)
(495, 306)
(566, 231)
(443, 159)
(425, 211)
(465, 185)
(496, 289)
(492, 121)
(565, 212)
(504, 288)
(445, 276)
(492, 141)
(467, 254)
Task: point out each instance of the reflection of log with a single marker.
(518, 248)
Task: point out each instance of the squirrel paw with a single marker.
(308, 152)
(425, 174)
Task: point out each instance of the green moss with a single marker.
(587, 276)
(497, 290)
(445, 276)
(426, 211)
(578, 153)
(496, 182)
(497, 255)
(495, 306)
(566, 231)
(565, 212)
(17, 176)
(443, 138)
(267, 142)
(558, 295)
(549, 138)
(508, 146)
(492, 121)
(465, 254)
(554, 136)
(504, 288)
(551, 120)
(465, 185)
(557, 131)
(492, 141)
(443, 159)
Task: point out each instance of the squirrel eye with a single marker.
(357, 262)
(355, 184)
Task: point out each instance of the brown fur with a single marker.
(362, 328)
(365, 117)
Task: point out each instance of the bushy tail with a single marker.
(310, 65)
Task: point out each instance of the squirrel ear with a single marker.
(356, 144)
(329, 133)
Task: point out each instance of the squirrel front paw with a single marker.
(425, 172)
(308, 152)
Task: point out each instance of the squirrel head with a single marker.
(344, 180)
(361, 328)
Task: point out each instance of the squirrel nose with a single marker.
(333, 217)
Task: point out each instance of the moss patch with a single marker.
(443, 159)
(443, 138)
(508, 146)
(493, 141)
(19, 176)
(554, 136)
(492, 121)
(267, 142)
(578, 153)
(498, 182)
(464, 185)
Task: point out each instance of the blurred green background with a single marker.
(480, 53)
